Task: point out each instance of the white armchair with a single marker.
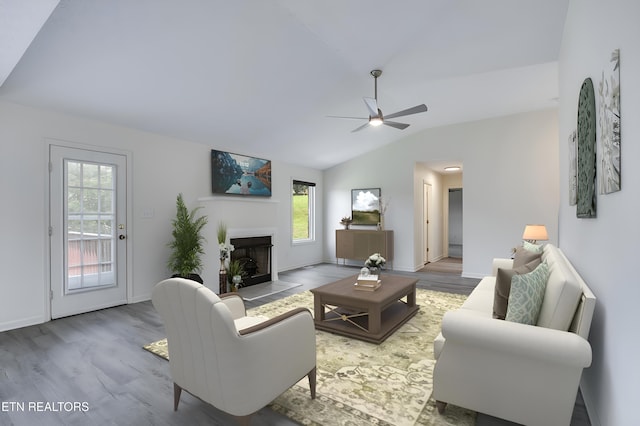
(236, 363)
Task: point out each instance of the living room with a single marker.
(515, 172)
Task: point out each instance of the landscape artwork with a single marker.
(609, 125)
(365, 206)
(237, 174)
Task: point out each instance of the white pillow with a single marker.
(536, 248)
(527, 293)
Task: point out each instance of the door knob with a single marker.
(122, 237)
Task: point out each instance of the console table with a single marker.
(359, 244)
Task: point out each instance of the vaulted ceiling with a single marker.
(260, 77)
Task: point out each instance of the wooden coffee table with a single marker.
(366, 315)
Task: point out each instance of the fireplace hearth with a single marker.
(254, 254)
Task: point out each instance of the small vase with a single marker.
(374, 270)
(222, 276)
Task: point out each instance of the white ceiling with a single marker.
(259, 77)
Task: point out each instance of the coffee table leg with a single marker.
(375, 320)
(318, 309)
(411, 298)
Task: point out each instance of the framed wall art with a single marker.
(609, 125)
(365, 206)
(236, 174)
(573, 165)
(586, 129)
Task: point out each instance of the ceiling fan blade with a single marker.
(400, 126)
(351, 118)
(357, 129)
(372, 106)
(409, 111)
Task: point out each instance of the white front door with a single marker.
(87, 230)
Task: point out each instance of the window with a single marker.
(303, 208)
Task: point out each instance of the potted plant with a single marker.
(234, 274)
(186, 248)
(346, 222)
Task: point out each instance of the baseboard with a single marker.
(475, 275)
(141, 298)
(24, 322)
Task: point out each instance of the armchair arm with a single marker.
(519, 340)
(500, 263)
(270, 322)
(270, 357)
(235, 304)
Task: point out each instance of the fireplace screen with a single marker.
(254, 254)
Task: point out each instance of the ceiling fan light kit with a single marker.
(375, 121)
(375, 114)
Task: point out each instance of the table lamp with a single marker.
(533, 233)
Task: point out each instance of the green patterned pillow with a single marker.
(535, 248)
(527, 293)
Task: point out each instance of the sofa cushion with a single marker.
(481, 298)
(503, 286)
(523, 256)
(527, 293)
(561, 297)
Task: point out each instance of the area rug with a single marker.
(362, 383)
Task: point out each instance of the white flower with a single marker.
(225, 250)
(375, 260)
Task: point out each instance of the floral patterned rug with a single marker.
(362, 383)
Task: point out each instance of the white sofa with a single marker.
(527, 374)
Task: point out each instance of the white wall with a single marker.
(162, 167)
(510, 179)
(603, 249)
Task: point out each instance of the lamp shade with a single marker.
(535, 233)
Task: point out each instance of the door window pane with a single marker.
(90, 214)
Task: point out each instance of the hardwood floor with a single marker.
(91, 369)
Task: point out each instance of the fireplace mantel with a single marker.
(248, 199)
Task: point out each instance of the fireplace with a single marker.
(254, 254)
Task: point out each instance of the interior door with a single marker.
(425, 221)
(87, 230)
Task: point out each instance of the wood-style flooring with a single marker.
(90, 369)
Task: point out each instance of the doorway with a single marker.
(87, 230)
(455, 223)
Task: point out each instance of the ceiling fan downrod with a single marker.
(375, 74)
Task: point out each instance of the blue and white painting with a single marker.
(609, 125)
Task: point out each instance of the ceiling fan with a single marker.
(375, 114)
